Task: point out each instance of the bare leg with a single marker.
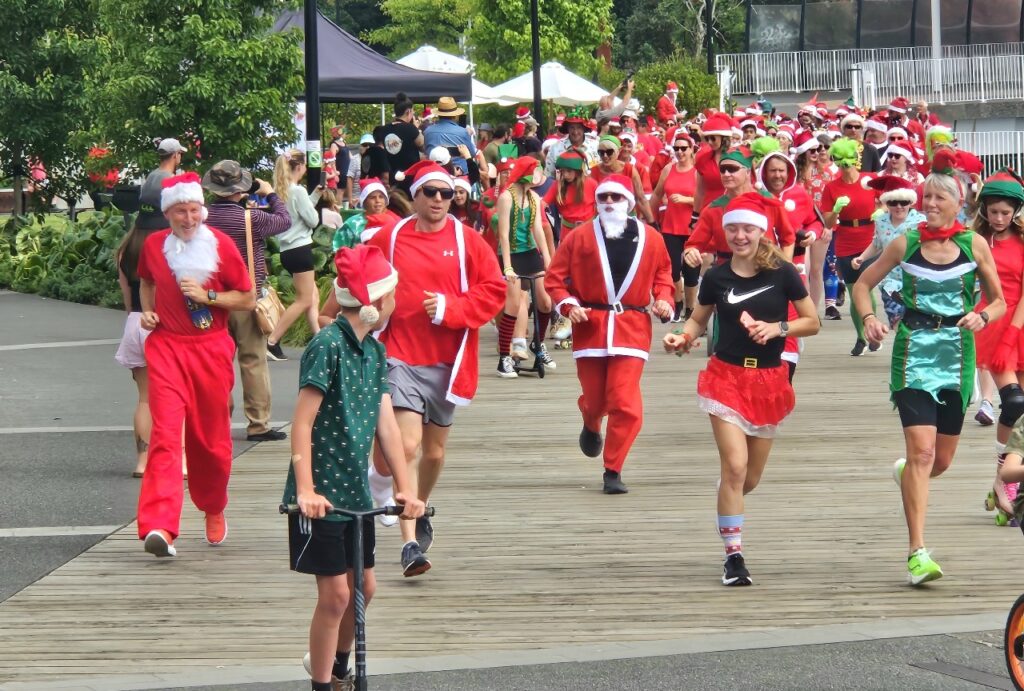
(432, 459)
(411, 424)
(816, 271)
(143, 421)
(921, 443)
(331, 605)
(305, 290)
(732, 453)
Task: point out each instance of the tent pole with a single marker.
(471, 114)
(314, 154)
(382, 118)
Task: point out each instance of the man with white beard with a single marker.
(191, 277)
(611, 327)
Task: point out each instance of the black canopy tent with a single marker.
(352, 72)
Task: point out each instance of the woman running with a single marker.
(932, 376)
(717, 134)
(814, 170)
(677, 187)
(849, 205)
(296, 246)
(573, 192)
(745, 388)
(523, 252)
(1000, 347)
(898, 198)
(609, 164)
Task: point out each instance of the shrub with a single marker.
(697, 89)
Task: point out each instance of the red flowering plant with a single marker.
(102, 168)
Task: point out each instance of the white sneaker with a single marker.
(388, 521)
(563, 329)
(506, 368)
(897, 471)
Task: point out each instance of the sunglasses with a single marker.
(681, 148)
(729, 170)
(897, 203)
(610, 197)
(852, 127)
(605, 152)
(896, 156)
(897, 139)
(434, 192)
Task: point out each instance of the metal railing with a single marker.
(829, 70)
(996, 149)
(949, 80)
(725, 78)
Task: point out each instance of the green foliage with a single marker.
(413, 23)
(356, 118)
(358, 17)
(697, 89)
(649, 30)
(208, 72)
(570, 32)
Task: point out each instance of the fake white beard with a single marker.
(196, 259)
(613, 219)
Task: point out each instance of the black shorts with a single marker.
(527, 263)
(675, 244)
(325, 548)
(919, 408)
(298, 259)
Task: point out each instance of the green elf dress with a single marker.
(930, 352)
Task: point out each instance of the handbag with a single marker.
(268, 308)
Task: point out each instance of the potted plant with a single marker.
(103, 172)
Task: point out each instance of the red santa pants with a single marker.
(611, 386)
(190, 381)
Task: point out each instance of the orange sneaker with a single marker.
(159, 543)
(216, 528)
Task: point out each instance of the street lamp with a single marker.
(538, 102)
(314, 150)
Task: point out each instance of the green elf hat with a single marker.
(1006, 184)
(570, 160)
(740, 154)
(509, 150)
(611, 139)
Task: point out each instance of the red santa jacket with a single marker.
(580, 273)
(799, 209)
(709, 236)
(666, 110)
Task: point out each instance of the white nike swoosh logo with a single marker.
(732, 298)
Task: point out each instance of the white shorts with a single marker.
(131, 353)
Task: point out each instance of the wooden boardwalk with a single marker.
(530, 555)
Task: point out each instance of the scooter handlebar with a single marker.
(382, 511)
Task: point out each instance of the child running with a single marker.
(745, 388)
(344, 401)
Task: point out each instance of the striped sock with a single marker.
(730, 529)
(506, 326)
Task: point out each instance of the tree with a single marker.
(41, 102)
(208, 72)
(570, 32)
(652, 30)
(413, 23)
(358, 17)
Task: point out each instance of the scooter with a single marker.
(538, 338)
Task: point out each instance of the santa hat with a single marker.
(522, 112)
(504, 165)
(423, 172)
(874, 124)
(559, 119)
(364, 276)
(841, 111)
(615, 122)
(462, 182)
(523, 167)
(750, 208)
(753, 109)
(749, 122)
(180, 189)
(810, 109)
(678, 134)
(851, 117)
(788, 130)
(671, 86)
(617, 184)
(898, 105)
(897, 131)
(369, 186)
(718, 125)
(806, 141)
(629, 135)
(894, 188)
(902, 151)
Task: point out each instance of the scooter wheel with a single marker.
(1002, 519)
(990, 501)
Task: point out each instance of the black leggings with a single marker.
(680, 269)
(919, 408)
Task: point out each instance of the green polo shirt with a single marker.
(1015, 444)
(353, 376)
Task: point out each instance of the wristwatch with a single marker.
(984, 316)
(211, 295)
(783, 328)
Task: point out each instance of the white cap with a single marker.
(440, 155)
(170, 146)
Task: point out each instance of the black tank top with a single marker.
(133, 284)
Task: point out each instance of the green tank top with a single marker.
(520, 227)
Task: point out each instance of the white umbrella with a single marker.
(431, 59)
(556, 84)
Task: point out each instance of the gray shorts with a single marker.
(422, 388)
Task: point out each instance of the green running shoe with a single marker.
(921, 568)
(897, 471)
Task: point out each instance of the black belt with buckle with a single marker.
(922, 320)
(748, 362)
(618, 307)
(855, 223)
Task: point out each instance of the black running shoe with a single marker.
(613, 483)
(591, 443)
(275, 353)
(858, 347)
(832, 313)
(424, 533)
(734, 571)
(269, 435)
(414, 562)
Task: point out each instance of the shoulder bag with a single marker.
(268, 309)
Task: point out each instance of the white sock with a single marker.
(519, 342)
(381, 488)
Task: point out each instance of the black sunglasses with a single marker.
(610, 197)
(893, 202)
(442, 192)
(895, 156)
(681, 148)
(729, 170)
(605, 152)
(852, 127)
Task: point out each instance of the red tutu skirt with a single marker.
(989, 339)
(755, 400)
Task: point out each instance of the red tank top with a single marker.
(676, 220)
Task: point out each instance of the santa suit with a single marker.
(191, 373)
(666, 109)
(456, 264)
(610, 348)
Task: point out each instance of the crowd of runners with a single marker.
(745, 229)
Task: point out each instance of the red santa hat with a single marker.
(822, 111)
(898, 105)
(750, 208)
(897, 132)
(788, 130)
(894, 188)
(522, 113)
(615, 122)
(671, 86)
(559, 119)
(905, 152)
(423, 172)
(805, 141)
(364, 276)
(462, 182)
(851, 117)
(180, 189)
(718, 125)
(369, 186)
(617, 184)
(875, 124)
(841, 111)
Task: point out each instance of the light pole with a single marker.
(538, 98)
(314, 150)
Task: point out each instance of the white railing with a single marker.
(950, 80)
(996, 149)
(725, 78)
(829, 70)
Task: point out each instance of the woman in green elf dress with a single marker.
(933, 353)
